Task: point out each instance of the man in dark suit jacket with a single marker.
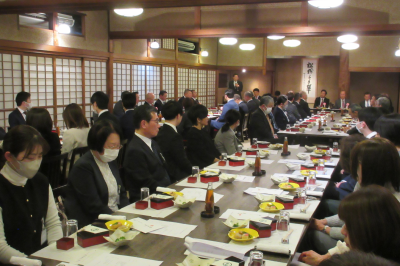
(171, 142)
(162, 99)
(342, 102)
(186, 94)
(242, 105)
(18, 116)
(304, 103)
(259, 126)
(126, 121)
(280, 114)
(292, 112)
(256, 93)
(194, 97)
(99, 100)
(319, 102)
(118, 110)
(367, 100)
(144, 165)
(231, 104)
(296, 102)
(149, 99)
(236, 85)
(252, 104)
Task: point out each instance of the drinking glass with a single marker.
(196, 172)
(321, 166)
(287, 127)
(72, 228)
(328, 155)
(256, 258)
(254, 144)
(335, 147)
(240, 148)
(144, 194)
(224, 156)
(284, 221)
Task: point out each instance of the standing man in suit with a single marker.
(186, 94)
(291, 109)
(194, 97)
(260, 125)
(342, 102)
(256, 93)
(144, 164)
(243, 109)
(99, 101)
(296, 102)
(231, 104)
(18, 116)
(129, 103)
(171, 142)
(280, 113)
(304, 103)
(149, 99)
(367, 100)
(252, 104)
(118, 108)
(162, 99)
(319, 102)
(236, 85)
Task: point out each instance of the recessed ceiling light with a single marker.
(276, 37)
(326, 3)
(247, 46)
(129, 12)
(228, 41)
(350, 46)
(347, 38)
(244, 70)
(291, 43)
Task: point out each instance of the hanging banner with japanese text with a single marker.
(309, 78)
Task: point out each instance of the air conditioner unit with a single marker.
(36, 19)
(186, 46)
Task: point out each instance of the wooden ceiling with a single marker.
(47, 6)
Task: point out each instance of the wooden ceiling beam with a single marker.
(366, 30)
(48, 6)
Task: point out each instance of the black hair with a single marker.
(277, 93)
(388, 127)
(99, 133)
(23, 138)
(22, 96)
(367, 92)
(143, 112)
(101, 99)
(326, 93)
(197, 111)
(171, 109)
(256, 90)
(187, 103)
(40, 119)
(123, 94)
(296, 96)
(357, 258)
(162, 93)
(236, 74)
(290, 96)
(229, 93)
(281, 99)
(231, 117)
(369, 115)
(129, 100)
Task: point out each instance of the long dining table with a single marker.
(171, 250)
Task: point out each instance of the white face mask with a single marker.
(109, 155)
(28, 106)
(269, 110)
(28, 169)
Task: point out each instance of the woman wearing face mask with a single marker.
(28, 214)
(280, 114)
(95, 186)
(226, 141)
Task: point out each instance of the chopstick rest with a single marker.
(285, 239)
(304, 210)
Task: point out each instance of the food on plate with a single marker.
(116, 225)
(288, 185)
(319, 151)
(270, 207)
(242, 235)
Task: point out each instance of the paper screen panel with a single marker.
(121, 79)
(153, 80)
(183, 81)
(95, 80)
(169, 81)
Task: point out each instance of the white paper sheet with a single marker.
(149, 211)
(332, 162)
(120, 260)
(227, 167)
(258, 190)
(294, 147)
(172, 229)
(296, 214)
(144, 226)
(296, 262)
(293, 161)
(248, 158)
(199, 194)
(244, 215)
(273, 152)
(327, 174)
(244, 178)
(184, 183)
(287, 132)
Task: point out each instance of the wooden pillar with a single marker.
(304, 14)
(110, 82)
(176, 83)
(197, 17)
(264, 72)
(344, 73)
(54, 27)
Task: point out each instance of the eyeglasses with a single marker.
(115, 147)
(156, 120)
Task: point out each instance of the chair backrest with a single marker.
(55, 168)
(77, 151)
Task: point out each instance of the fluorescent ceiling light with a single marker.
(129, 12)
(276, 37)
(247, 46)
(397, 53)
(350, 46)
(291, 43)
(347, 38)
(154, 45)
(326, 3)
(228, 41)
(204, 53)
(63, 28)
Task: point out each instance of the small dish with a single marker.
(184, 203)
(271, 207)
(112, 225)
(303, 156)
(310, 148)
(306, 172)
(319, 151)
(120, 238)
(233, 223)
(289, 186)
(264, 153)
(264, 198)
(227, 178)
(250, 233)
(251, 163)
(276, 179)
(276, 146)
(293, 167)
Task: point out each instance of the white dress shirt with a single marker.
(171, 125)
(103, 112)
(145, 139)
(368, 103)
(371, 135)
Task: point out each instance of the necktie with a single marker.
(273, 121)
(161, 160)
(343, 104)
(322, 101)
(24, 112)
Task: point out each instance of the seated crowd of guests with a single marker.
(365, 186)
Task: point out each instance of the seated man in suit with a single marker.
(129, 103)
(304, 103)
(367, 118)
(194, 97)
(353, 112)
(367, 100)
(280, 114)
(242, 105)
(342, 102)
(162, 99)
(252, 104)
(144, 165)
(118, 110)
(383, 103)
(319, 101)
(236, 85)
(231, 104)
(291, 109)
(171, 142)
(99, 101)
(18, 116)
(149, 99)
(187, 94)
(256, 93)
(296, 102)
(261, 126)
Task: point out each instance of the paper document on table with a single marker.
(244, 215)
(273, 152)
(287, 132)
(248, 158)
(294, 147)
(120, 260)
(274, 242)
(144, 226)
(198, 184)
(259, 190)
(244, 178)
(149, 211)
(291, 161)
(308, 129)
(326, 175)
(199, 194)
(172, 229)
(227, 167)
(77, 254)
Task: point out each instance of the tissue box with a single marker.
(65, 243)
(238, 154)
(208, 179)
(287, 203)
(304, 125)
(262, 145)
(161, 202)
(295, 129)
(264, 230)
(273, 223)
(301, 181)
(86, 239)
(236, 162)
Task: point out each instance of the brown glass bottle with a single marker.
(285, 146)
(257, 165)
(210, 200)
(319, 124)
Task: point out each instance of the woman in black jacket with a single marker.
(201, 150)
